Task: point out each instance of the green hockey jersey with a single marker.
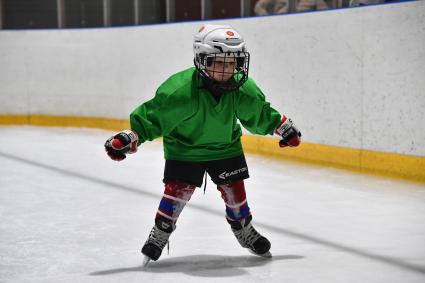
(197, 127)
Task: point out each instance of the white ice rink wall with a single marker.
(352, 78)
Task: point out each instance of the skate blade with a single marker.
(146, 261)
(265, 255)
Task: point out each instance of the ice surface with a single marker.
(69, 214)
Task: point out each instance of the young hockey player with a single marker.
(196, 111)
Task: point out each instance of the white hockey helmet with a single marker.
(213, 41)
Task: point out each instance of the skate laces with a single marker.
(158, 237)
(247, 235)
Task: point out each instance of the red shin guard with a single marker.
(175, 197)
(234, 197)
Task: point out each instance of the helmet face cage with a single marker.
(211, 66)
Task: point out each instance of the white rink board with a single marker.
(351, 78)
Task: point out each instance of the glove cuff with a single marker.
(285, 123)
(134, 139)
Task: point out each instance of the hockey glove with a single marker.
(120, 144)
(291, 136)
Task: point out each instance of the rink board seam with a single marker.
(365, 161)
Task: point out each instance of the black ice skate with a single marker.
(157, 240)
(249, 238)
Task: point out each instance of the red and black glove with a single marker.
(120, 144)
(291, 136)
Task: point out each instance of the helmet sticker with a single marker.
(230, 33)
(201, 29)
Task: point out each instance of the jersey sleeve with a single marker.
(254, 112)
(160, 115)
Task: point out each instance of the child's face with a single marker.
(222, 68)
